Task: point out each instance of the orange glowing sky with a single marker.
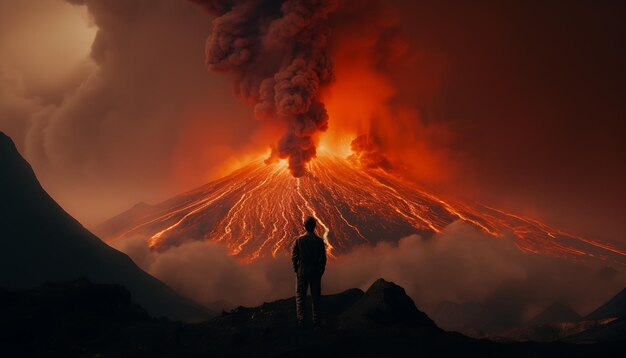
(111, 102)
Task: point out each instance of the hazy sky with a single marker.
(518, 105)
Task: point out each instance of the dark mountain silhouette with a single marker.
(385, 303)
(556, 322)
(612, 319)
(549, 332)
(41, 242)
(615, 307)
(608, 330)
(553, 323)
(555, 313)
(559, 322)
(78, 318)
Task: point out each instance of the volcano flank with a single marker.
(257, 210)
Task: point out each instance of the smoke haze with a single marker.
(517, 105)
(111, 102)
(458, 265)
(115, 128)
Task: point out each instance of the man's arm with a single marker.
(295, 256)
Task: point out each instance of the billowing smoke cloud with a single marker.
(459, 265)
(277, 52)
(111, 103)
(203, 271)
(368, 153)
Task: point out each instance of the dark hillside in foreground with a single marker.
(82, 319)
(41, 242)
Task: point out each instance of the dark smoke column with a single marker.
(277, 52)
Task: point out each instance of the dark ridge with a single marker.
(122, 220)
(556, 313)
(615, 307)
(79, 318)
(41, 242)
(385, 303)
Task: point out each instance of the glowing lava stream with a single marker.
(206, 203)
(329, 247)
(258, 210)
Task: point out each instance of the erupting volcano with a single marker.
(258, 209)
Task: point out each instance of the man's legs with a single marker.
(302, 284)
(316, 294)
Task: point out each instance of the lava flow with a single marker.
(257, 211)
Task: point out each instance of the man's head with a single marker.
(309, 224)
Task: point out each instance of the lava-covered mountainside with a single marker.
(257, 210)
(78, 318)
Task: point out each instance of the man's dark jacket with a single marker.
(309, 255)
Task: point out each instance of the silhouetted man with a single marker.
(309, 262)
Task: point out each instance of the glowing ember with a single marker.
(257, 211)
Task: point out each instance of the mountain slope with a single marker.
(83, 319)
(615, 307)
(385, 303)
(41, 242)
(555, 313)
(258, 209)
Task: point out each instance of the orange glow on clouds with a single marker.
(362, 99)
(360, 102)
(358, 96)
(46, 47)
(201, 141)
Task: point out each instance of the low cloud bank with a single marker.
(459, 265)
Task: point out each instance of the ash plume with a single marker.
(367, 152)
(277, 52)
